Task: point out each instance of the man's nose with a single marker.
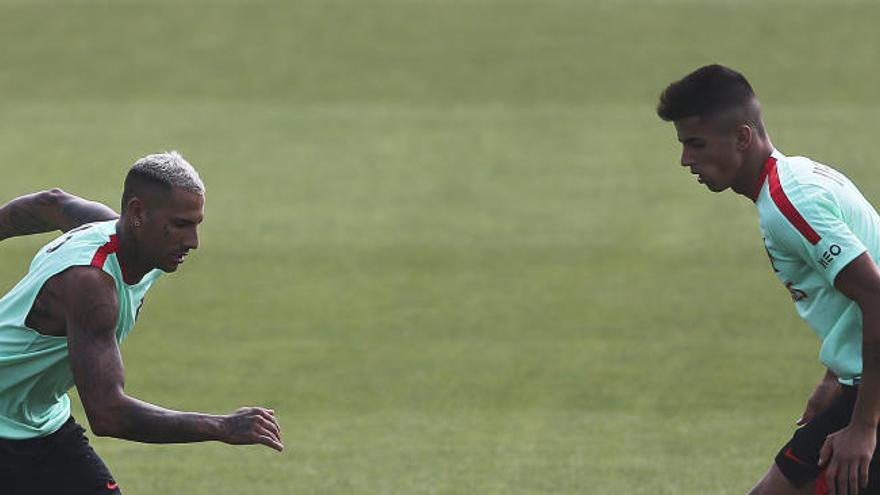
(686, 159)
(191, 241)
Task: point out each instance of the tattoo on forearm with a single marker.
(23, 220)
(47, 211)
(22, 216)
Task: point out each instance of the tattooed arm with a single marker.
(848, 452)
(49, 210)
(89, 301)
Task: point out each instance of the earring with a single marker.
(137, 223)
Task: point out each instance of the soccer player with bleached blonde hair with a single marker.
(62, 325)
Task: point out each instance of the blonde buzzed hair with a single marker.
(166, 170)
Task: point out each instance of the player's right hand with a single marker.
(253, 425)
(821, 398)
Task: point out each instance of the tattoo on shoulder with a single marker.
(98, 316)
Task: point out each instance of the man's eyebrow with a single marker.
(689, 140)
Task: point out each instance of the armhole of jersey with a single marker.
(32, 297)
(49, 270)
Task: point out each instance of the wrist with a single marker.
(864, 419)
(867, 425)
(215, 427)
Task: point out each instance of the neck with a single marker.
(750, 173)
(133, 266)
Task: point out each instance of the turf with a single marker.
(447, 241)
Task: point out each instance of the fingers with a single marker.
(269, 439)
(863, 473)
(831, 469)
(806, 417)
(269, 426)
(269, 415)
(831, 481)
(264, 427)
(845, 480)
(841, 485)
(825, 453)
(271, 443)
(853, 480)
(268, 429)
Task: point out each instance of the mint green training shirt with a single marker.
(815, 222)
(34, 368)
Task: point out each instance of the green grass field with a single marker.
(447, 240)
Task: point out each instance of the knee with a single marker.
(765, 485)
(775, 483)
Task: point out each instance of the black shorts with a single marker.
(799, 458)
(60, 463)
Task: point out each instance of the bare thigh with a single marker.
(775, 483)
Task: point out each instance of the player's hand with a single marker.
(822, 397)
(847, 455)
(252, 425)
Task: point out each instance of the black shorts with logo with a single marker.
(799, 458)
(60, 463)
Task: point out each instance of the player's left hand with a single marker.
(847, 455)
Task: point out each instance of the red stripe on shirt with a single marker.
(104, 251)
(785, 206)
(770, 163)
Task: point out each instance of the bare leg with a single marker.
(775, 483)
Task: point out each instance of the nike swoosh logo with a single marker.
(112, 486)
(790, 455)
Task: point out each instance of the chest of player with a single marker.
(131, 299)
(800, 278)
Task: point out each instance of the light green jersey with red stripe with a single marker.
(815, 222)
(34, 368)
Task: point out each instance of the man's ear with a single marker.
(745, 134)
(136, 211)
